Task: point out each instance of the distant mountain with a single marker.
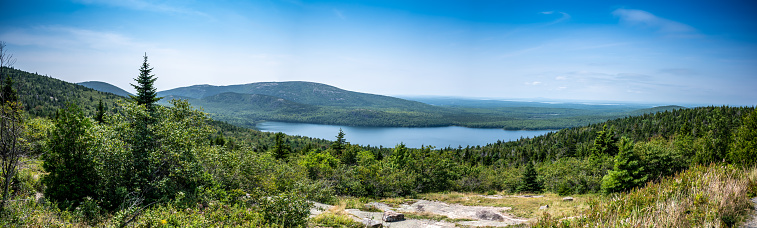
(105, 87)
(493, 103)
(304, 93)
(310, 102)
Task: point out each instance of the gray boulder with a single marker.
(391, 216)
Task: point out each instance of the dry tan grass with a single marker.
(714, 196)
(524, 207)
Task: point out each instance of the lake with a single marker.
(439, 137)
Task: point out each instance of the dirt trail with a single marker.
(457, 214)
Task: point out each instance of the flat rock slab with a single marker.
(752, 220)
(494, 215)
(318, 208)
(480, 215)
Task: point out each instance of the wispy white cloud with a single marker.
(679, 71)
(598, 46)
(61, 37)
(533, 83)
(564, 16)
(146, 5)
(339, 14)
(561, 78)
(649, 20)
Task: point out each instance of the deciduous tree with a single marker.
(71, 173)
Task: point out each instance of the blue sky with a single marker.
(677, 52)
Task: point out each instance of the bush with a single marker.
(286, 209)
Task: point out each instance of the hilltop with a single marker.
(105, 87)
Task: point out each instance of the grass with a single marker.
(703, 196)
(431, 216)
(524, 207)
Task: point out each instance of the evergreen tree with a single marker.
(144, 138)
(628, 171)
(339, 145)
(744, 147)
(604, 143)
(528, 181)
(146, 93)
(71, 173)
(99, 116)
(280, 149)
(7, 93)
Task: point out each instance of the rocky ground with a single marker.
(443, 214)
(752, 222)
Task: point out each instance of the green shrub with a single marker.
(287, 209)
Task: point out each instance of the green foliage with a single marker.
(528, 180)
(42, 96)
(702, 196)
(7, 92)
(69, 161)
(333, 220)
(280, 149)
(604, 143)
(100, 112)
(285, 209)
(319, 165)
(340, 144)
(744, 147)
(147, 94)
(628, 171)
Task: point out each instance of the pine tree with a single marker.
(144, 140)
(146, 92)
(604, 143)
(7, 93)
(528, 181)
(628, 171)
(99, 117)
(339, 145)
(280, 149)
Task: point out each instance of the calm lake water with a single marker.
(391, 136)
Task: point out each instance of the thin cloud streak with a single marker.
(646, 19)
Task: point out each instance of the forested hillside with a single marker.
(43, 95)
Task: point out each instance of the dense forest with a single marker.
(103, 160)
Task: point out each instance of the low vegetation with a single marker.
(703, 196)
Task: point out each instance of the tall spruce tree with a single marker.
(528, 181)
(340, 144)
(100, 115)
(280, 149)
(144, 137)
(604, 143)
(628, 171)
(146, 92)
